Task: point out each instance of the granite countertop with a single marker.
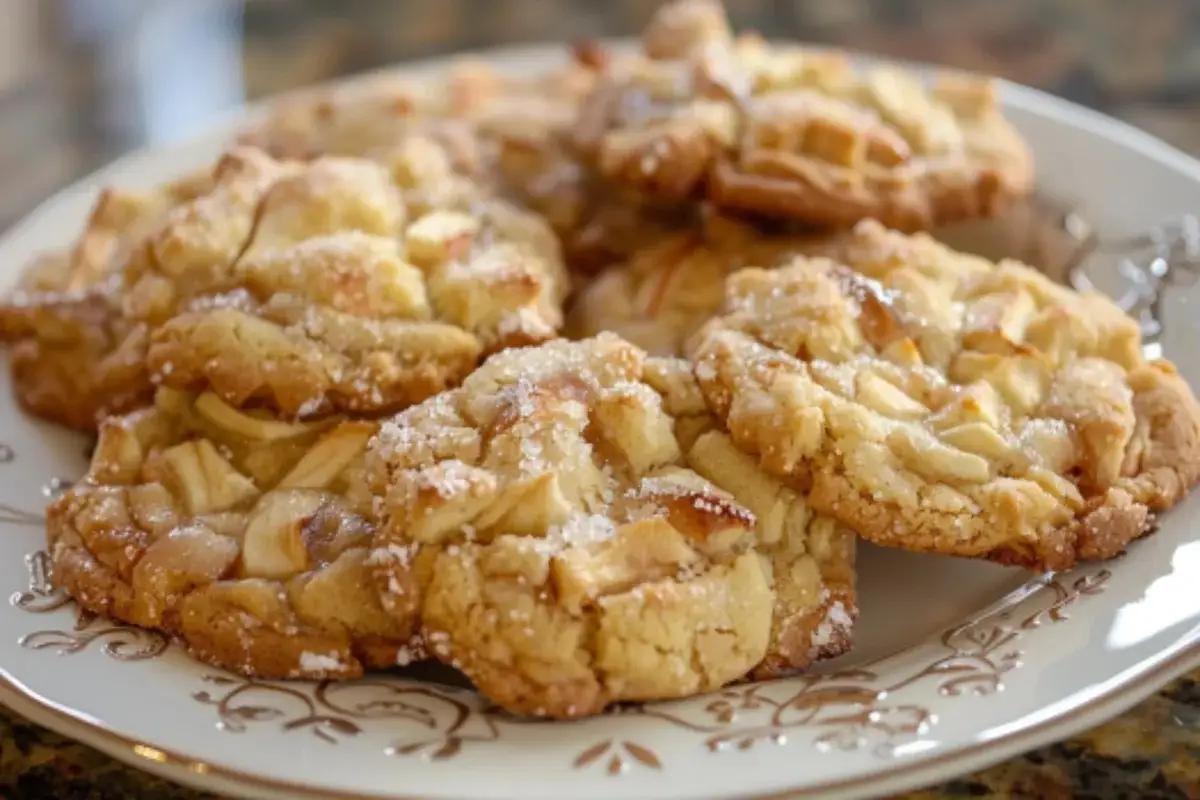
(1137, 61)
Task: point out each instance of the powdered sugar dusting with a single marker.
(320, 662)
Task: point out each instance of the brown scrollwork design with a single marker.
(244, 701)
(121, 642)
(851, 710)
(41, 595)
(116, 641)
(855, 709)
(335, 710)
(1149, 264)
(11, 515)
(1065, 596)
(620, 755)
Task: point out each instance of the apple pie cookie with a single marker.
(328, 293)
(246, 536)
(64, 320)
(800, 134)
(939, 402)
(808, 557)
(666, 290)
(333, 285)
(546, 526)
(508, 133)
(365, 118)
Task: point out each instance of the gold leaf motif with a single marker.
(118, 642)
(642, 754)
(591, 754)
(850, 710)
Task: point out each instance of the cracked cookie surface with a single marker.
(333, 285)
(936, 401)
(345, 294)
(246, 536)
(64, 321)
(508, 133)
(809, 557)
(786, 132)
(546, 525)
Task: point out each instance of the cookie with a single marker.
(64, 320)
(809, 556)
(366, 117)
(665, 291)
(786, 132)
(344, 294)
(545, 524)
(939, 402)
(508, 133)
(246, 536)
(313, 288)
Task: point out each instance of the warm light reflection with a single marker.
(145, 751)
(1168, 601)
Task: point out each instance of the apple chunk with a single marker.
(273, 546)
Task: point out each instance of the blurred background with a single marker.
(82, 81)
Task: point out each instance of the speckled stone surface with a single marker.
(1139, 61)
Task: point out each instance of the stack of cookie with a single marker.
(583, 383)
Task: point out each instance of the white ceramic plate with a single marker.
(958, 664)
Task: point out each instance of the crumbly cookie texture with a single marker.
(64, 320)
(364, 118)
(335, 290)
(510, 134)
(246, 536)
(799, 134)
(543, 523)
(665, 291)
(938, 402)
(315, 288)
(808, 557)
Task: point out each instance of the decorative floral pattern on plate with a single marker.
(854, 709)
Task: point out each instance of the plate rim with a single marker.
(1080, 710)
(196, 773)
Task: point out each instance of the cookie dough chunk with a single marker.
(245, 535)
(665, 291)
(785, 132)
(809, 557)
(938, 402)
(566, 555)
(64, 321)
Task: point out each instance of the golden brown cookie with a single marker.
(345, 293)
(245, 535)
(64, 321)
(547, 527)
(509, 133)
(332, 285)
(665, 291)
(808, 556)
(939, 402)
(807, 135)
(366, 117)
